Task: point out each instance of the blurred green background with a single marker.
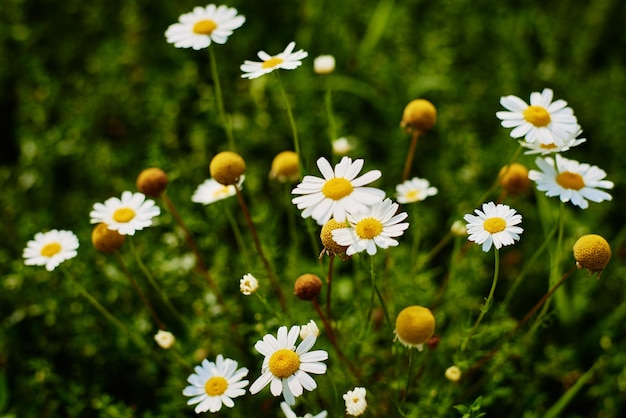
(91, 94)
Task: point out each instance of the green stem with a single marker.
(496, 182)
(378, 294)
(408, 376)
(220, 102)
(485, 308)
(292, 122)
(328, 102)
(571, 393)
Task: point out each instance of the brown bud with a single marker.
(152, 182)
(106, 240)
(307, 286)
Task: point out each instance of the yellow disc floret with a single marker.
(537, 116)
(204, 27)
(283, 363)
(419, 115)
(123, 215)
(227, 168)
(272, 62)
(414, 326)
(51, 249)
(215, 386)
(592, 252)
(337, 188)
(569, 180)
(368, 228)
(494, 225)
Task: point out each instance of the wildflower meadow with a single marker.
(312, 209)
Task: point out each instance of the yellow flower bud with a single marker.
(592, 252)
(414, 326)
(106, 240)
(227, 167)
(152, 182)
(514, 178)
(419, 115)
(285, 167)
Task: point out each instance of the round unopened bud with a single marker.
(419, 115)
(414, 326)
(227, 167)
(453, 374)
(324, 64)
(592, 252)
(164, 339)
(514, 178)
(330, 246)
(106, 240)
(152, 182)
(285, 167)
(307, 286)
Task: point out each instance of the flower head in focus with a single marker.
(414, 190)
(355, 401)
(286, 368)
(287, 60)
(495, 224)
(570, 180)
(133, 212)
(544, 120)
(339, 191)
(203, 25)
(414, 326)
(50, 248)
(215, 384)
(377, 226)
(592, 252)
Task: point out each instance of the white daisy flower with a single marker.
(50, 249)
(552, 148)
(215, 384)
(355, 401)
(414, 190)
(377, 226)
(290, 414)
(248, 284)
(338, 192)
(571, 180)
(286, 368)
(495, 224)
(210, 191)
(287, 60)
(542, 121)
(133, 212)
(204, 25)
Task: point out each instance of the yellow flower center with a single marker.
(204, 27)
(495, 224)
(222, 192)
(284, 363)
(412, 195)
(337, 188)
(272, 62)
(215, 386)
(51, 249)
(569, 180)
(368, 228)
(123, 214)
(548, 146)
(537, 115)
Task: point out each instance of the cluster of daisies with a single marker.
(547, 126)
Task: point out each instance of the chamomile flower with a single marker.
(544, 121)
(571, 180)
(133, 212)
(552, 148)
(290, 414)
(287, 60)
(339, 191)
(495, 224)
(203, 25)
(355, 401)
(286, 368)
(50, 249)
(414, 190)
(210, 191)
(248, 284)
(377, 226)
(215, 384)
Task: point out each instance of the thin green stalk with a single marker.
(408, 377)
(571, 393)
(292, 121)
(220, 101)
(328, 104)
(496, 182)
(377, 291)
(409, 156)
(485, 308)
(155, 285)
